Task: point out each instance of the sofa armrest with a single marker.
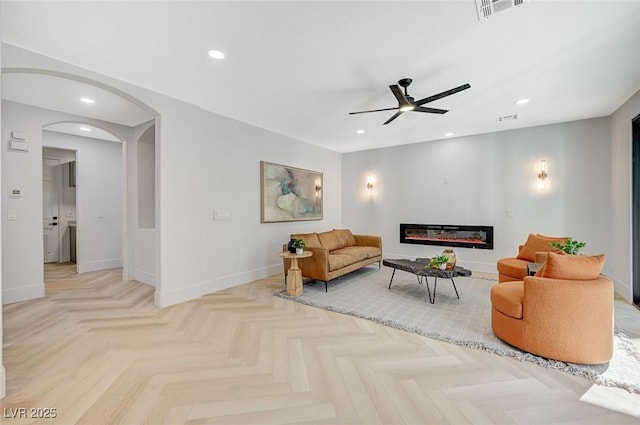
(541, 257)
(368, 240)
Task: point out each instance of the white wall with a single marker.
(22, 270)
(242, 249)
(201, 161)
(67, 198)
(620, 260)
(146, 160)
(487, 174)
(99, 199)
(2, 369)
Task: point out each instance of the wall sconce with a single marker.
(369, 184)
(542, 176)
(318, 188)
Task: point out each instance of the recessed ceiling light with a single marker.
(216, 54)
(85, 129)
(521, 101)
(448, 134)
(87, 100)
(361, 131)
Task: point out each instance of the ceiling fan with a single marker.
(406, 103)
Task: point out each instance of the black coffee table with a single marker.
(417, 267)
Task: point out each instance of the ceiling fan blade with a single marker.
(441, 95)
(373, 110)
(430, 110)
(396, 115)
(397, 92)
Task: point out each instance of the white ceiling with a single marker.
(298, 68)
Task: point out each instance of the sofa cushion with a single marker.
(512, 267)
(338, 261)
(572, 267)
(311, 240)
(331, 240)
(507, 298)
(345, 236)
(537, 243)
(357, 253)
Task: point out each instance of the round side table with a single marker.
(294, 275)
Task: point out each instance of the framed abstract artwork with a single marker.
(289, 193)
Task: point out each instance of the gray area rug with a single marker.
(465, 321)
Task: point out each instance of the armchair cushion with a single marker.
(331, 240)
(535, 244)
(310, 239)
(345, 236)
(508, 300)
(572, 267)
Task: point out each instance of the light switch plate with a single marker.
(11, 215)
(221, 215)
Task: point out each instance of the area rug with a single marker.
(465, 321)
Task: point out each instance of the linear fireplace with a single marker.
(447, 235)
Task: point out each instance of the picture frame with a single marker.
(289, 193)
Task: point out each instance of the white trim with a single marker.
(145, 277)
(166, 299)
(92, 266)
(229, 281)
(3, 388)
(22, 294)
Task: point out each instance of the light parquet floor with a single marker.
(98, 351)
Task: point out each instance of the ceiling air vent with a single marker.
(486, 8)
(506, 118)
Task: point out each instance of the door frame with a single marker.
(58, 196)
(635, 199)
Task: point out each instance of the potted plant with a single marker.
(571, 246)
(299, 246)
(439, 262)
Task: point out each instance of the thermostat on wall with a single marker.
(15, 192)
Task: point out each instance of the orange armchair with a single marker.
(534, 250)
(558, 317)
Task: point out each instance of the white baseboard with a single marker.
(622, 289)
(168, 298)
(145, 277)
(3, 382)
(92, 266)
(22, 294)
(229, 281)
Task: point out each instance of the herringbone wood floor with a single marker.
(98, 351)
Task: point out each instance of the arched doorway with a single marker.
(47, 108)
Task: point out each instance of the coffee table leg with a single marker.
(426, 281)
(435, 285)
(392, 274)
(454, 288)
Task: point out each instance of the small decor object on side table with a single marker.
(451, 262)
(439, 262)
(299, 246)
(291, 246)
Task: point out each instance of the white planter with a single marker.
(443, 266)
(299, 251)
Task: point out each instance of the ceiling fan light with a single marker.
(407, 108)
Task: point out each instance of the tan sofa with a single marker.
(336, 253)
(564, 312)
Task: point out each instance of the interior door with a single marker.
(50, 183)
